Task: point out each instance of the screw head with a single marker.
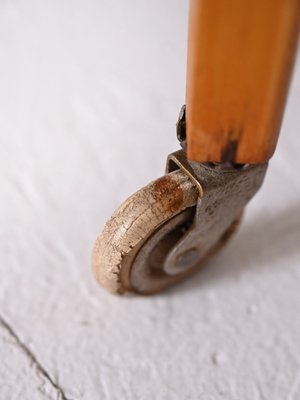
(188, 258)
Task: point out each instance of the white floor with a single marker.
(89, 96)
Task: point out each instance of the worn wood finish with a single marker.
(240, 59)
(132, 224)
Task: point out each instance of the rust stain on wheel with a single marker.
(133, 223)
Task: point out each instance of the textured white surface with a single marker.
(89, 94)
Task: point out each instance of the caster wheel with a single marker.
(167, 229)
(129, 254)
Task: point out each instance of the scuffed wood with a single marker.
(240, 59)
(133, 222)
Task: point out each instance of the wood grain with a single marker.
(132, 224)
(240, 59)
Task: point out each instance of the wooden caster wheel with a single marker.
(164, 231)
(129, 254)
